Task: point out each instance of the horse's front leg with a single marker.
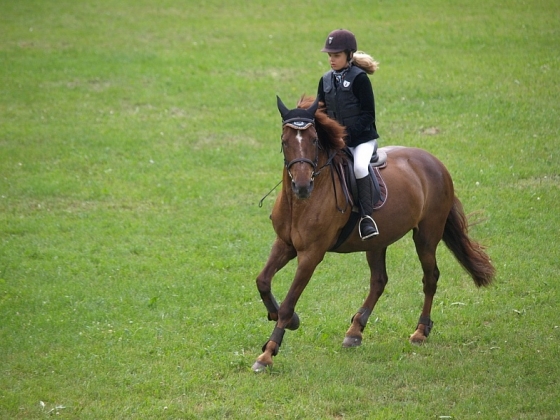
(280, 255)
(286, 313)
(378, 280)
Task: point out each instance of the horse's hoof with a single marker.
(294, 323)
(259, 367)
(417, 338)
(352, 342)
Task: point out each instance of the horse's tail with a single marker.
(469, 253)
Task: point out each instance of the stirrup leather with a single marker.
(374, 225)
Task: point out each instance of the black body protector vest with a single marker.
(342, 104)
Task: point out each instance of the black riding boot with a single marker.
(367, 227)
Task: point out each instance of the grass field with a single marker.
(136, 140)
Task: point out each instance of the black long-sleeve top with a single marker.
(359, 132)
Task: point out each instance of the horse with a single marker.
(309, 215)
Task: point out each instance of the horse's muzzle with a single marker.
(302, 190)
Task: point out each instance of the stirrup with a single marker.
(371, 234)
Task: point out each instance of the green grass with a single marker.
(136, 139)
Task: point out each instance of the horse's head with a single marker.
(300, 145)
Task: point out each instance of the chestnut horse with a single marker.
(308, 218)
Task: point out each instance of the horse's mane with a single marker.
(331, 134)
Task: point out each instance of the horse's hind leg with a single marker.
(426, 244)
(280, 255)
(378, 280)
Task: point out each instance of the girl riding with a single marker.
(347, 94)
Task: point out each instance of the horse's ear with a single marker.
(281, 107)
(313, 108)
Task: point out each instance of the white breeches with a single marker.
(362, 155)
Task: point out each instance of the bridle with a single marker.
(302, 124)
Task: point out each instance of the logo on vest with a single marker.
(346, 83)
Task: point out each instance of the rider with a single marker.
(348, 96)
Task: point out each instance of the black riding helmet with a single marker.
(340, 40)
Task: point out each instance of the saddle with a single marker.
(345, 172)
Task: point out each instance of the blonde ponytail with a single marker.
(365, 62)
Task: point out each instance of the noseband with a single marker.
(301, 124)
